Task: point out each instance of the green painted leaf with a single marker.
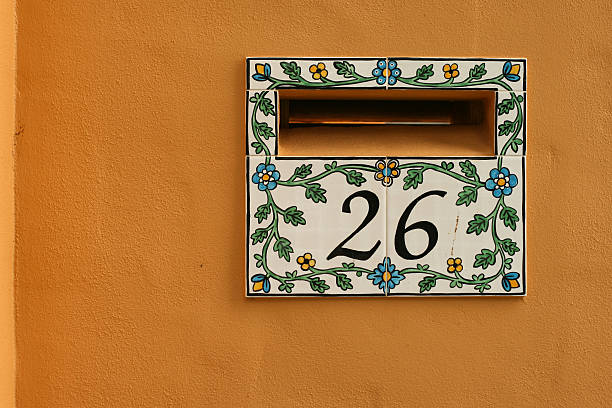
(505, 106)
(354, 177)
(484, 259)
(413, 178)
(254, 99)
(467, 196)
(258, 147)
(294, 216)
(318, 285)
(331, 166)
(456, 283)
(264, 130)
(291, 274)
(482, 287)
(479, 224)
(514, 144)
(283, 247)
(478, 71)
(509, 246)
(259, 235)
(468, 168)
(303, 171)
(266, 107)
(259, 260)
(422, 268)
(505, 128)
(509, 217)
(262, 212)
(508, 263)
(286, 287)
(427, 283)
(425, 72)
(315, 193)
(347, 265)
(447, 165)
(343, 282)
(292, 69)
(345, 69)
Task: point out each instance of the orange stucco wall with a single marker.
(130, 214)
(7, 203)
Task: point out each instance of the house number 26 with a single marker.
(400, 231)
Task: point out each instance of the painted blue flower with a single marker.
(511, 71)
(382, 72)
(262, 72)
(266, 177)
(501, 182)
(261, 282)
(385, 276)
(510, 281)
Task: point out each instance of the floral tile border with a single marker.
(316, 73)
(465, 73)
(261, 122)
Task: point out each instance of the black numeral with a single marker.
(373, 205)
(428, 227)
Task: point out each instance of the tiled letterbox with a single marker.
(385, 226)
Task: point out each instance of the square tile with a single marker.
(510, 123)
(455, 73)
(262, 123)
(321, 73)
(315, 226)
(455, 226)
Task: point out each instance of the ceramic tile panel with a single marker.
(456, 226)
(456, 73)
(511, 115)
(315, 226)
(262, 123)
(317, 73)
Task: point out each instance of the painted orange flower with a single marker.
(450, 71)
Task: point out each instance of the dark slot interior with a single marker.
(386, 122)
(364, 112)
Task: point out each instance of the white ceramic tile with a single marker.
(445, 73)
(262, 122)
(322, 73)
(511, 116)
(299, 211)
(430, 224)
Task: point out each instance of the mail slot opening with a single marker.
(386, 122)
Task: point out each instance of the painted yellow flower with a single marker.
(306, 261)
(450, 71)
(318, 71)
(454, 264)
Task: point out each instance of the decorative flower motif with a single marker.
(454, 264)
(385, 276)
(501, 182)
(261, 282)
(263, 72)
(306, 262)
(318, 71)
(382, 72)
(511, 71)
(386, 171)
(266, 177)
(450, 71)
(510, 281)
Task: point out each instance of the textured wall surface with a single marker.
(7, 203)
(130, 216)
